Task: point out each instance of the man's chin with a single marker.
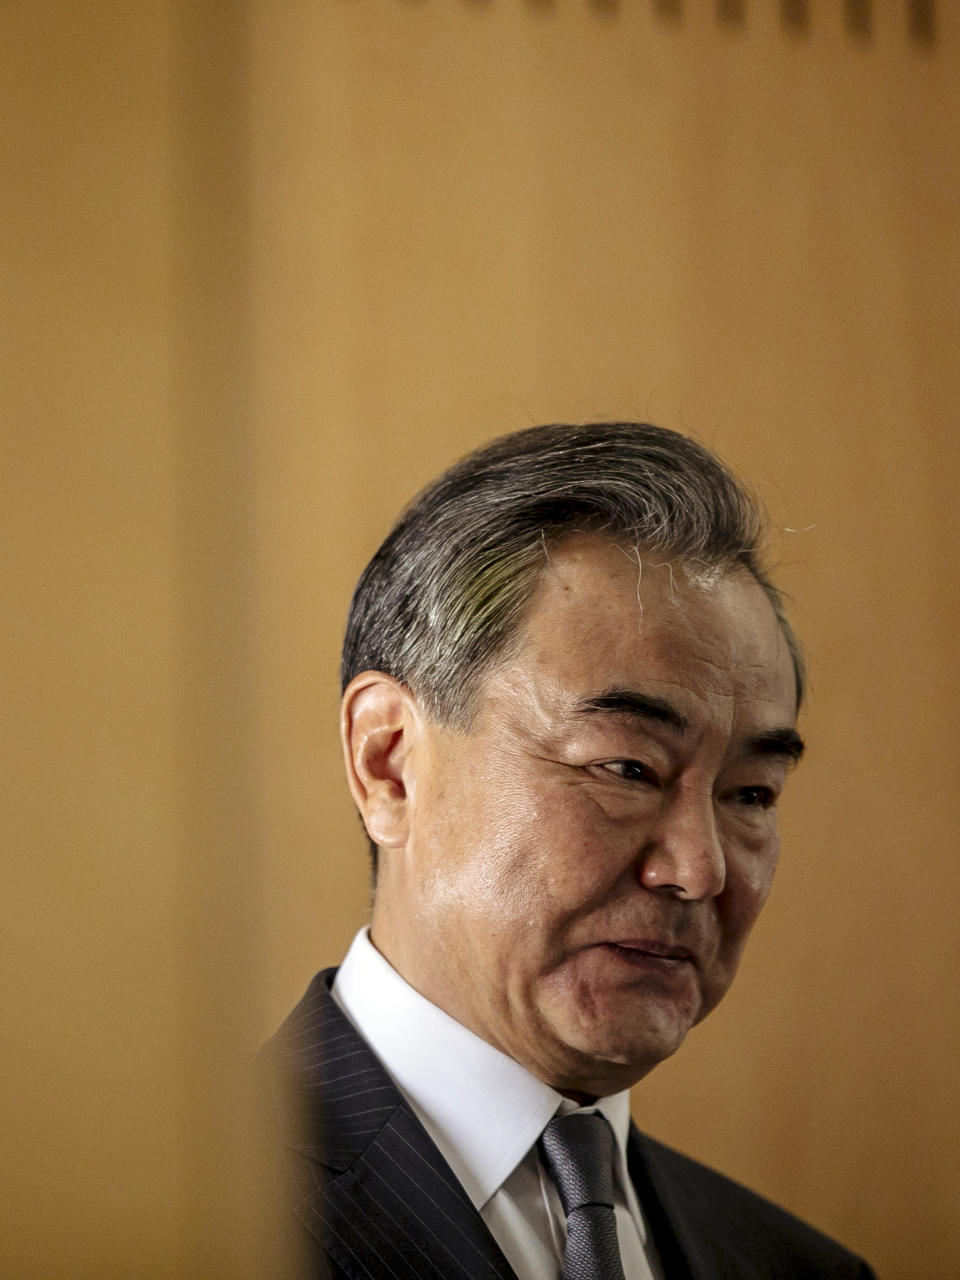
(604, 1060)
(598, 1035)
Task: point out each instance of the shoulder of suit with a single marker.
(721, 1210)
(329, 1092)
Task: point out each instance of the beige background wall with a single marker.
(267, 267)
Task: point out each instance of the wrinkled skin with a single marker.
(577, 886)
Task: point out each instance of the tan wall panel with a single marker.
(90, 897)
(129, 919)
(472, 217)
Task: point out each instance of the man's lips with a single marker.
(643, 950)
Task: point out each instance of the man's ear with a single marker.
(377, 724)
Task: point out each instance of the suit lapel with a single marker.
(381, 1199)
(399, 1212)
(680, 1218)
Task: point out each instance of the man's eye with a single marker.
(631, 771)
(757, 797)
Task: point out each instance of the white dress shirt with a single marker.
(485, 1113)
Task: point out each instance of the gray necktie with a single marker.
(578, 1153)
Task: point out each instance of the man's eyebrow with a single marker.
(776, 742)
(629, 702)
(643, 706)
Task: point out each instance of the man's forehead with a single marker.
(608, 616)
(599, 583)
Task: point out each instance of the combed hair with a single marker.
(444, 595)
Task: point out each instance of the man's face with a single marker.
(584, 864)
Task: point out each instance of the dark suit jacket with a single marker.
(375, 1198)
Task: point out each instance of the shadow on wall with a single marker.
(919, 16)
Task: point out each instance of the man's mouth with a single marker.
(649, 952)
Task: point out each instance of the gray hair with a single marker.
(445, 593)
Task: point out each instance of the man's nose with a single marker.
(683, 856)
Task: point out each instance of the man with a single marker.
(569, 708)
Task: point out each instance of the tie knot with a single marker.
(578, 1152)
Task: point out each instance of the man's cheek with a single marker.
(749, 882)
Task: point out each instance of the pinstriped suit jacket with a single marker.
(375, 1200)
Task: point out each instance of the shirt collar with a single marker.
(483, 1110)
